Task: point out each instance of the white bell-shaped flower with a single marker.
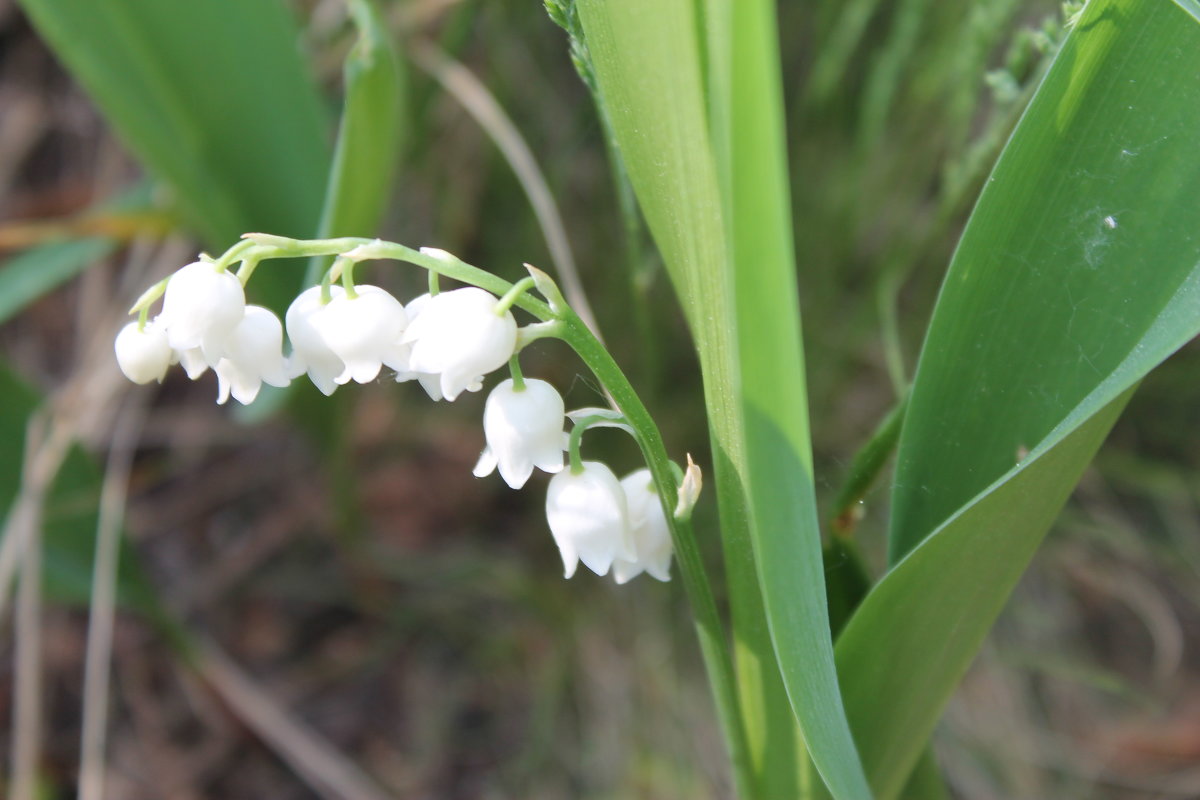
(431, 382)
(459, 337)
(589, 519)
(524, 429)
(651, 533)
(201, 308)
(253, 355)
(365, 332)
(192, 361)
(310, 353)
(143, 355)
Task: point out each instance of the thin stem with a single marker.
(327, 287)
(113, 495)
(713, 644)
(143, 317)
(865, 468)
(518, 379)
(149, 296)
(360, 249)
(519, 288)
(232, 254)
(528, 334)
(574, 442)
(246, 270)
(434, 287)
(347, 267)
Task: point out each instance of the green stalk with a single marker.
(360, 249)
(713, 646)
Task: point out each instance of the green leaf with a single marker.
(1086, 228)
(215, 98)
(26, 277)
(29, 275)
(716, 200)
(1078, 273)
(370, 135)
(847, 582)
(778, 472)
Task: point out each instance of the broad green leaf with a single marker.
(716, 201)
(847, 582)
(1087, 226)
(215, 98)
(1078, 273)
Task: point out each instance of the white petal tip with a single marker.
(486, 464)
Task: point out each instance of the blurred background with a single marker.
(318, 591)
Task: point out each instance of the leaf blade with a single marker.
(700, 190)
(1077, 274)
(214, 98)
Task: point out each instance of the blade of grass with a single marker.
(650, 72)
(779, 755)
(67, 248)
(370, 135)
(785, 530)
(32, 274)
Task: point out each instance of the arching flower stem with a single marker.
(347, 270)
(519, 288)
(148, 297)
(518, 378)
(231, 255)
(576, 440)
(360, 249)
(713, 644)
(246, 270)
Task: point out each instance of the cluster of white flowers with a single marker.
(448, 342)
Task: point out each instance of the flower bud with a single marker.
(310, 353)
(201, 307)
(253, 355)
(524, 429)
(651, 533)
(589, 519)
(458, 336)
(143, 355)
(363, 331)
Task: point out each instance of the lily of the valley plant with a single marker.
(449, 341)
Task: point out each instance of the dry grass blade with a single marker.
(82, 407)
(103, 601)
(482, 106)
(24, 528)
(328, 772)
